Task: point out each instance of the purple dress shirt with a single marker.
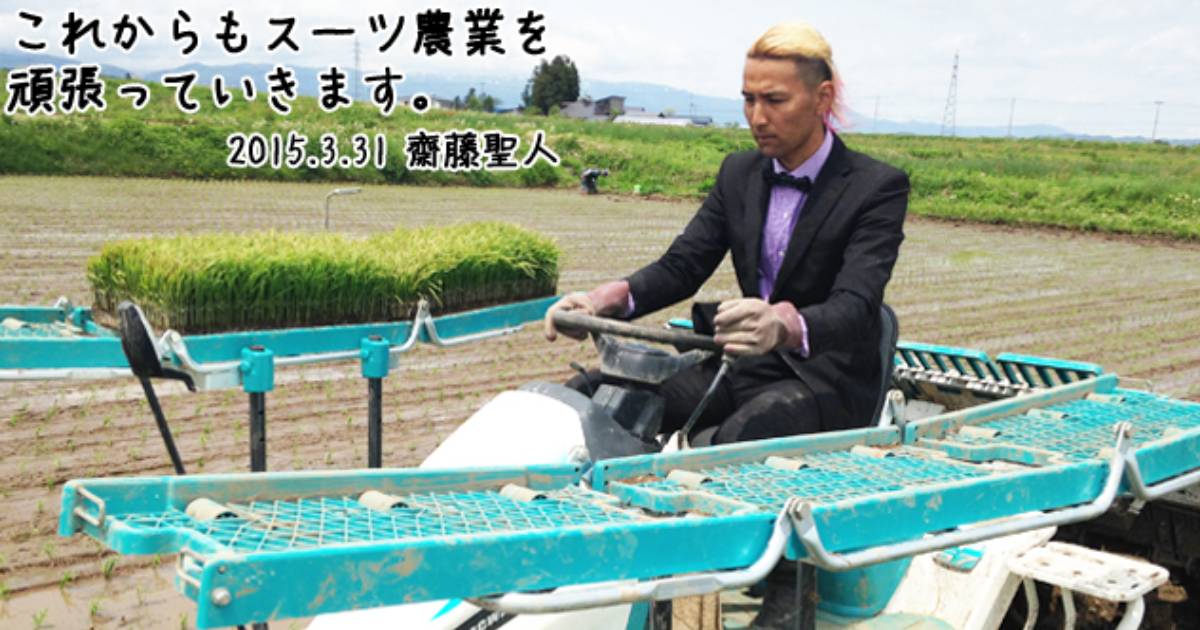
(782, 214)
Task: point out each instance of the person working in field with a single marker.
(814, 230)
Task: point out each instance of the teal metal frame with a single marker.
(243, 569)
(213, 357)
(300, 544)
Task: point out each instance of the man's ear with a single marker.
(825, 95)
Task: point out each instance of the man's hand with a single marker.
(578, 302)
(610, 299)
(749, 326)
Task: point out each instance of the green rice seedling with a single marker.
(108, 567)
(214, 282)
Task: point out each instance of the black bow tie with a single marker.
(803, 184)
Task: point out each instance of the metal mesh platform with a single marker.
(327, 521)
(277, 545)
(298, 544)
(1078, 430)
(827, 477)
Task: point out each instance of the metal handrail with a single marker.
(78, 511)
(611, 594)
(184, 562)
(805, 525)
(1144, 492)
(173, 345)
(425, 319)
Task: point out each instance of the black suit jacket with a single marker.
(838, 261)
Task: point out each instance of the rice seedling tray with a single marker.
(209, 283)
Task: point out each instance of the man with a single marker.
(587, 182)
(814, 230)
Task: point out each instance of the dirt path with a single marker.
(1131, 306)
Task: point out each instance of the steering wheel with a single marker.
(638, 362)
(681, 339)
(653, 366)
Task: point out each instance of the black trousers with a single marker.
(759, 398)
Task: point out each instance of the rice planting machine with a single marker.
(549, 508)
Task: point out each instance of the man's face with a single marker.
(784, 114)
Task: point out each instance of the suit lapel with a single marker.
(828, 188)
(755, 203)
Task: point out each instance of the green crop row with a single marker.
(217, 282)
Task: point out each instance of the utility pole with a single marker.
(1157, 108)
(949, 116)
(1012, 105)
(875, 118)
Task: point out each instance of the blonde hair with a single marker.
(802, 43)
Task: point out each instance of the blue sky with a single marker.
(1087, 66)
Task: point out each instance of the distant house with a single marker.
(434, 102)
(588, 109)
(663, 120)
(636, 112)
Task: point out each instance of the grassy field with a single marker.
(1123, 188)
(1130, 306)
